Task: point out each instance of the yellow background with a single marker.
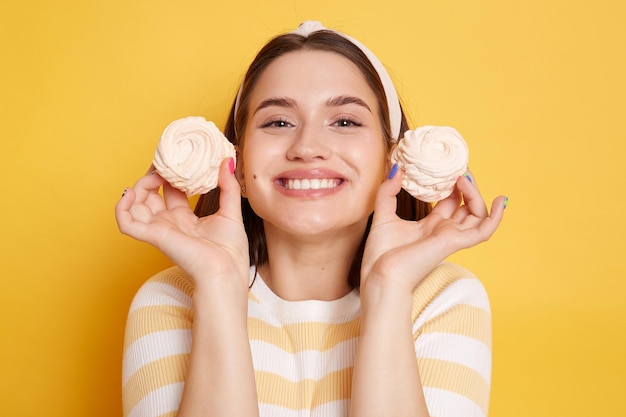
(536, 87)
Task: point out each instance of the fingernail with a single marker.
(506, 201)
(394, 170)
(231, 165)
(466, 175)
(125, 191)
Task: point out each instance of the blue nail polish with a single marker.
(394, 170)
(466, 175)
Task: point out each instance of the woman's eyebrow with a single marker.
(331, 102)
(276, 101)
(343, 100)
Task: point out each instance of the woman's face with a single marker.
(314, 153)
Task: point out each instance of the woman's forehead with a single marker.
(312, 72)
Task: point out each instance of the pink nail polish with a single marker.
(231, 165)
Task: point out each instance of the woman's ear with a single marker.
(389, 164)
(239, 174)
(238, 164)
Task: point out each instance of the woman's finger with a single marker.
(461, 214)
(468, 174)
(476, 230)
(125, 202)
(491, 223)
(147, 185)
(151, 169)
(386, 202)
(230, 196)
(123, 215)
(174, 198)
(448, 206)
(471, 197)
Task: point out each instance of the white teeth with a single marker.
(311, 184)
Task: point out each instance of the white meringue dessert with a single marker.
(433, 158)
(189, 154)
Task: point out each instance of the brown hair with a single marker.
(408, 207)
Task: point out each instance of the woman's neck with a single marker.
(310, 269)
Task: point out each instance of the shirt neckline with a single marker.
(342, 309)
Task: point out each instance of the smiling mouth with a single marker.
(310, 183)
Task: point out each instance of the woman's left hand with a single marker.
(401, 253)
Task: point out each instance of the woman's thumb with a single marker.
(230, 198)
(386, 203)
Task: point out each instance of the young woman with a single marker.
(310, 284)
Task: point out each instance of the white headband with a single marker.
(395, 116)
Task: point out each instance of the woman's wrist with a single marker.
(383, 297)
(223, 296)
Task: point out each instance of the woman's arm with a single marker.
(213, 252)
(386, 379)
(450, 344)
(220, 380)
(398, 255)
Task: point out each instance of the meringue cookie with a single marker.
(433, 158)
(189, 154)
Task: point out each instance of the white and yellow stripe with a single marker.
(303, 352)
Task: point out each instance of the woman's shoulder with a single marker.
(172, 286)
(161, 308)
(446, 287)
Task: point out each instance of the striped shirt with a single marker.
(303, 352)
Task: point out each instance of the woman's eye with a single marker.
(277, 123)
(346, 123)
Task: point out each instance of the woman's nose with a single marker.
(308, 144)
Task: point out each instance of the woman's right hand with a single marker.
(213, 250)
(210, 248)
